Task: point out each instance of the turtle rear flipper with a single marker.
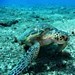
(25, 62)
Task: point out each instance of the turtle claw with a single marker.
(26, 60)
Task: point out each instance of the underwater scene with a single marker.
(37, 37)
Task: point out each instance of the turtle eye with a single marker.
(64, 37)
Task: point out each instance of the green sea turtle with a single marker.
(43, 35)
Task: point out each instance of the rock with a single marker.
(9, 66)
(8, 23)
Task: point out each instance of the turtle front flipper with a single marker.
(25, 62)
(22, 38)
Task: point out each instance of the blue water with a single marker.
(37, 2)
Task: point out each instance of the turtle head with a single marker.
(60, 37)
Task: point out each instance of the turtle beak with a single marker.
(65, 38)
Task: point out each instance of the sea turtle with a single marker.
(40, 36)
